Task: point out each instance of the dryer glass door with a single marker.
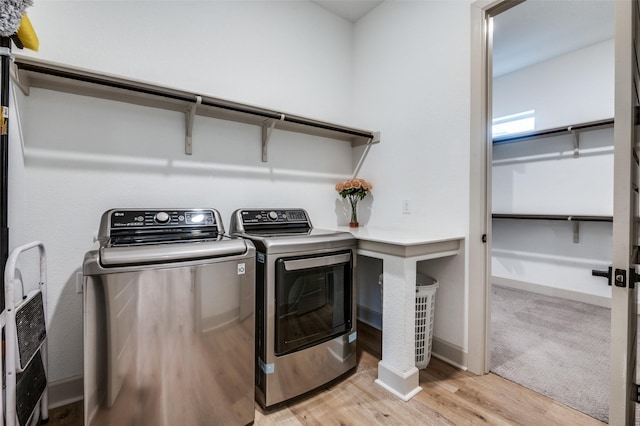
(313, 299)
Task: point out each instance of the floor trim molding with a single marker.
(448, 352)
(370, 317)
(65, 391)
(404, 385)
(591, 299)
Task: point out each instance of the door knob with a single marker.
(605, 274)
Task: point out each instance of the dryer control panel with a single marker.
(274, 216)
(273, 221)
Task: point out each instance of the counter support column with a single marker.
(400, 253)
(397, 372)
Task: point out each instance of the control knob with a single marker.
(273, 215)
(162, 217)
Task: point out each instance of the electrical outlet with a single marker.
(79, 280)
(406, 207)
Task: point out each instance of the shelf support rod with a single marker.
(576, 229)
(20, 79)
(375, 139)
(189, 118)
(576, 142)
(267, 128)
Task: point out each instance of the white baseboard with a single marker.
(65, 391)
(441, 349)
(449, 353)
(370, 317)
(405, 385)
(591, 299)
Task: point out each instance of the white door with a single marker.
(625, 214)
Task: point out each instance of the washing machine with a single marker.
(169, 322)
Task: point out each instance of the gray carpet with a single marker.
(556, 347)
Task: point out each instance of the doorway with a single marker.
(551, 191)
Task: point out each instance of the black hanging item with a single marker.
(16, 40)
(14, 25)
(5, 55)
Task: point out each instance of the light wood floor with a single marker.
(448, 397)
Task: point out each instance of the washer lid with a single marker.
(167, 253)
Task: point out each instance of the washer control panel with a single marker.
(272, 217)
(153, 218)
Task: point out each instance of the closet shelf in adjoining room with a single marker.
(578, 218)
(573, 219)
(574, 129)
(29, 72)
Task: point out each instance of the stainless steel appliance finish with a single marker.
(168, 321)
(305, 302)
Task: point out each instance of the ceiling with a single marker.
(532, 32)
(351, 10)
(538, 30)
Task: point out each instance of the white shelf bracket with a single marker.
(576, 229)
(267, 128)
(20, 79)
(189, 116)
(375, 139)
(576, 142)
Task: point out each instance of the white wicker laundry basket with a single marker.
(426, 287)
(425, 305)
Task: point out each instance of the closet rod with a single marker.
(592, 125)
(575, 218)
(173, 94)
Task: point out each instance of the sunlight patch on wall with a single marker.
(514, 123)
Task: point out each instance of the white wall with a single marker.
(543, 177)
(411, 78)
(291, 55)
(403, 70)
(83, 156)
(572, 88)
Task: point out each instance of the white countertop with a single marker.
(405, 243)
(403, 237)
